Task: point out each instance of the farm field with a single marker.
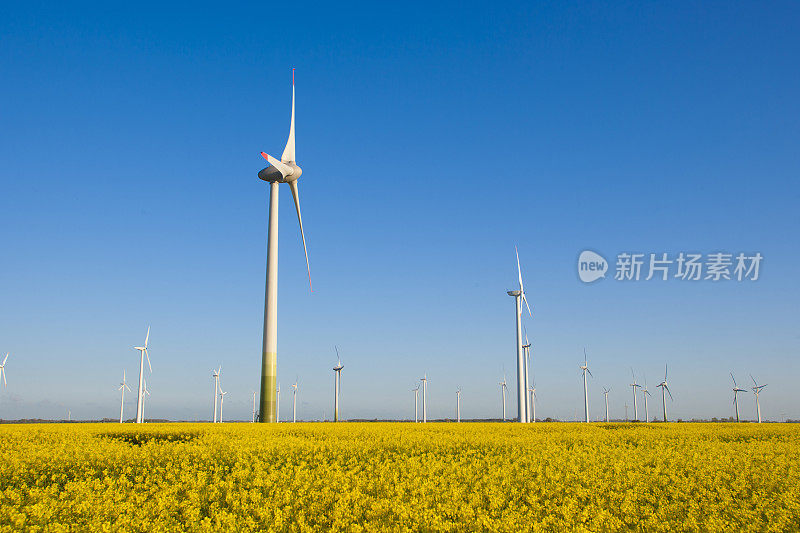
(400, 477)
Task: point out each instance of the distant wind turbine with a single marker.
(277, 172)
(294, 400)
(665, 389)
(605, 393)
(122, 387)
(585, 369)
(140, 396)
(503, 388)
(458, 405)
(519, 297)
(416, 402)
(645, 394)
(756, 388)
(736, 391)
(145, 393)
(526, 358)
(278, 403)
(215, 376)
(532, 394)
(424, 381)
(337, 370)
(3, 370)
(633, 386)
(254, 406)
(221, 401)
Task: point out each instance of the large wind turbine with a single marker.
(585, 368)
(416, 403)
(140, 396)
(215, 376)
(526, 358)
(645, 394)
(605, 393)
(665, 389)
(337, 370)
(519, 297)
(757, 390)
(294, 401)
(736, 391)
(3, 370)
(503, 388)
(283, 171)
(122, 387)
(145, 393)
(424, 381)
(458, 405)
(633, 387)
(221, 401)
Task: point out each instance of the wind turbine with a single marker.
(736, 391)
(526, 356)
(503, 388)
(633, 386)
(140, 397)
(665, 389)
(424, 381)
(519, 297)
(277, 172)
(221, 401)
(458, 405)
(416, 402)
(605, 393)
(254, 406)
(145, 393)
(585, 368)
(215, 376)
(278, 403)
(3, 370)
(122, 387)
(337, 370)
(645, 394)
(294, 401)
(532, 393)
(757, 390)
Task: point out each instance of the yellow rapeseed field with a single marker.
(400, 477)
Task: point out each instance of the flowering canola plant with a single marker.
(400, 477)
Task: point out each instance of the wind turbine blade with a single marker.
(127, 387)
(147, 337)
(734, 380)
(148, 360)
(665, 373)
(754, 380)
(4, 377)
(6, 359)
(285, 170)
(525, 299)
(296, 196)
(288, 152)
(670, 394)
(589, 371)
(519, 270)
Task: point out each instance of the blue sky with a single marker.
(433, 138)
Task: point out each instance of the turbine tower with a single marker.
(503, 388)
(140, 396)
(645, 394)
(416, 402)
(458, 405)
(3, 370)
(605, 393)
(277, 172)
(254, 406)
(532, 394)
(665, 389)
(294, 401)
(122, 387)
(757, 390)
(337, 370)
(215, 376)
(277, 403)
(526, 357)
(519, 297)
(424, 380)
(633, 387)
(736, 391)
(221, 401)
(145, 394)
(585, 368)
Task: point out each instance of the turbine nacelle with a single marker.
(280, 171)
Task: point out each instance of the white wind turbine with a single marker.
(458, 405)
(3, 370)
(416, 403)
(278, 403)
(424, 381)
(254, 406)
(140, 396)
(145, 393)
(605, 393)
(526, 357)
(532, 393)
(283, 171)
(585, 368)
(519, 297)
(294, 400)
(503, 388)
(633, 386)
(337, 370)
(122, 387)
(756, 388)
(215, 376)
(645, 394)
(665, 389)
(221, 401)
(736, 391)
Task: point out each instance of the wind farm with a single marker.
(624, 178)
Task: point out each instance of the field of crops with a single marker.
(384, 476)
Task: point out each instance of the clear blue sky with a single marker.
(433, 138)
